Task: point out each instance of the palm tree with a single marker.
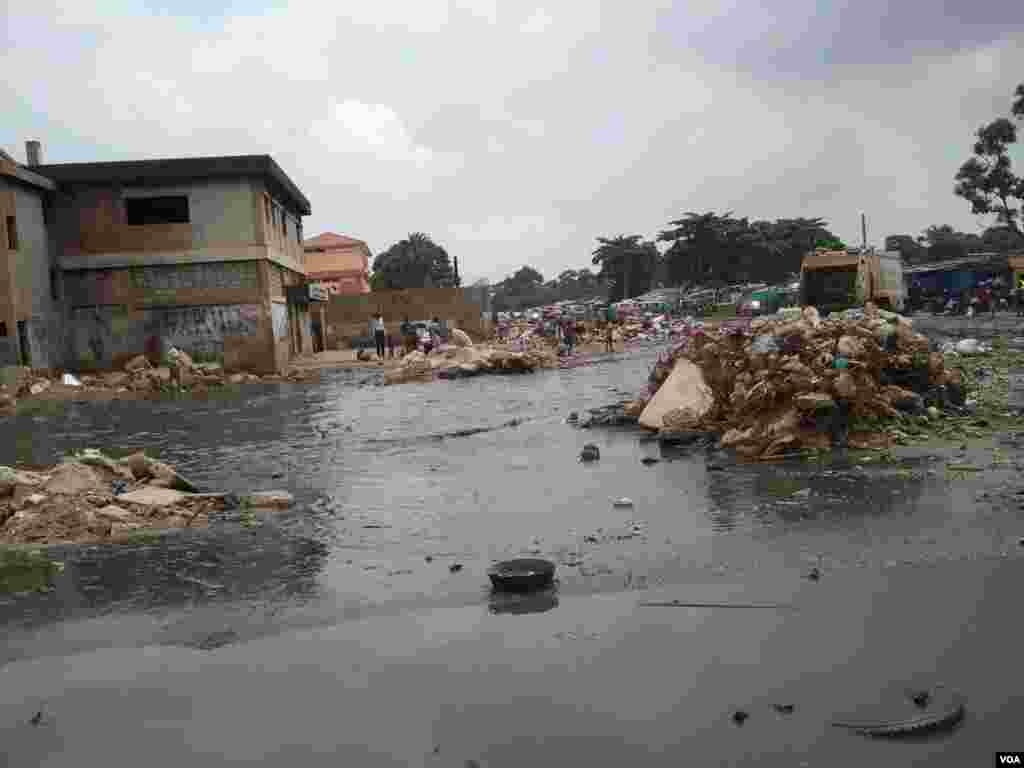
(626, 262)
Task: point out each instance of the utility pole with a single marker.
(864, 232)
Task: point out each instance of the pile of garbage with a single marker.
(139, 375)
(464, 359)
(90, 497)
(794, 381)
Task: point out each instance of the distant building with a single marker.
(339, 263)
(204, 254)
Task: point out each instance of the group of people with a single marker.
(988, 297)
(412, 338)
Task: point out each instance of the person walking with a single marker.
(379, 332)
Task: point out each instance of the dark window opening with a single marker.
(3, 328)
(284, 223)
(140, 211)
(298, 232)
(12, 233)
(54, 286)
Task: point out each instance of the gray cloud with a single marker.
(517, 133)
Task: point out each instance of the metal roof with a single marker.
(178, 169)
(989, 260)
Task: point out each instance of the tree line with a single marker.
(714, 249)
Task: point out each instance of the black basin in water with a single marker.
(524, 574)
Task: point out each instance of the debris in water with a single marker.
(937, 708)
(623, 503)
(37, 718)
(649, 460)
(739, 717)
(590, 453)
(455, 567)
(783, 709)
(814, 574)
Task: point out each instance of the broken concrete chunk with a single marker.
(152, 496)
(685, 388)
(73, 478)
(276, 499)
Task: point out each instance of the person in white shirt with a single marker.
(379, 333)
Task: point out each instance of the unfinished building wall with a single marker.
(30, 328)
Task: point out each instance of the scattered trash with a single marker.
(522, 574)
(455, 567)
(70, 381)
(37, 718)
(429, 558)
(622, 503)
(649, 460)
(739, 717)
(590, 452)
(814, 574)
(783, 709)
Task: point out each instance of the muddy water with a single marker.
(395, 485)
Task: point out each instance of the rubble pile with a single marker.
(90, 497)
(466, 360)
(786, 383)
(138, 376)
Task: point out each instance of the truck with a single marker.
(836, 280)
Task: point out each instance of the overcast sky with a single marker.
(516, 132)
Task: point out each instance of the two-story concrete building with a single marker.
(204, 254)
(31, 328)
(341, 264)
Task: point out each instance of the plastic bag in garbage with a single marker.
(763, 345)
(971, 347)
(70, 381)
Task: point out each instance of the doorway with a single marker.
(26, 354)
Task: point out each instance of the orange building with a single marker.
(340, 264)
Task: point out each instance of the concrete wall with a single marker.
(107, 336)
(216, 310)
(228, 222)
(349, 316)
(25, 281)
(284, 248)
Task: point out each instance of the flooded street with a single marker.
(395, 485)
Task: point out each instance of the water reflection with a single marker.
(518, 604)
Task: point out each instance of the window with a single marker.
(266, 208)
(140, 211)
(284, 223)
(54, 286)
(12, 233)
(298, 232)
(3, 328)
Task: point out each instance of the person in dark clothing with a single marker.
(379, 333)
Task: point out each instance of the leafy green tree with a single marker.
(627, 264)
(987, 180)
(415, 262)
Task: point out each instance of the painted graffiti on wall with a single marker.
(103, 333)
(279, 317)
